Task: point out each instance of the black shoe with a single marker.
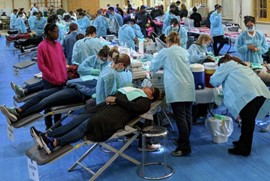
(236, 143)
(36, 136)
(22, 49)
(237, 151)
(178, 153)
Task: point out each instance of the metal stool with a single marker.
(154, 132)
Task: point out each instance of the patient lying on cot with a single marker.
(99, 123)
(74, 92)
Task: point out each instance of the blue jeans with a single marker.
(183, 116)
(57, 117)
(33, 88)
(52, 97)
(75, 130)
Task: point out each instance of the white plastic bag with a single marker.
(221, 127)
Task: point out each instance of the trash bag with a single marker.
(221, 127)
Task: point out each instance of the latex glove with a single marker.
(94, 96)
(95, 71)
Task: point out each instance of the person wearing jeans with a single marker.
(99, 123)
(73, 93)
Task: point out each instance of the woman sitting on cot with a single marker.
(102, 121)
(74, 92)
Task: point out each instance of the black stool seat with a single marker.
(155, 131)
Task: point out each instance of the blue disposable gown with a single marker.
(125, 78)
(89, 64)
(240, 85)
(68, 45)
(31, 22)
(13, 18)
(116, 21)
(197, 53)
(178, 79)
(39, 25)
(247, 55)
(20, 25)
(34, 9)
(138, 31)
(182, 34)
(101, 25)
(83, 23)
(62, 32)
(84, 48)
(127, 35)
(167, 21)
(216, 28)
(107, 84)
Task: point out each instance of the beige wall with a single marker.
(103, 4)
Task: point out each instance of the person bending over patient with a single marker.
(101, 122)
(245, 94)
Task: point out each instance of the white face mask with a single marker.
(251, 29)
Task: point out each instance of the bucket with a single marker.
(198, 74)
(210, 69)
(221, 127)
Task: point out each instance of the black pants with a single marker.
(31, 41)
(183, 116)
(221, 41)
(248, 115)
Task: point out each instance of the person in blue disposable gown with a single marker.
(20, 25)
(179, 88)
(86, 47)
(101, 24)
(198, 52)
(127, 35)
(83, 22)
(39, 24)
(180, 30)
(137, 30)
(69, 41)
(31, 21)
(245, 94)
(216, 30)
(109, 80)
(116, 21)
(167, 20)
(251, 44)
(34, 9)
(94, 64)
(13, 18)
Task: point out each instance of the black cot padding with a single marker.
(24, 64)
(23, 99)
(24, 121)
(41, 156)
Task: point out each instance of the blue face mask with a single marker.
(251, 29)
(120, 70)
(99, 61)
(175, 29)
